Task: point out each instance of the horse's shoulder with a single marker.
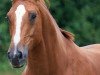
(91, 50)
(92, 53)
(93, 46)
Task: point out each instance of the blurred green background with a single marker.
(81, 17)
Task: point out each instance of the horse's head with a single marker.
(25, 29)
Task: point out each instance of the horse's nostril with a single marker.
(19, 55)
(9, 56)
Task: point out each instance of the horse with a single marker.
(46, 49)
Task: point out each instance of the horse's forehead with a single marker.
(19, 13)
(20, 10)
(28, 6)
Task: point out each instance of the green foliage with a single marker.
(81, 17)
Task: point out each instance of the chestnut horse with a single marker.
(47, 49)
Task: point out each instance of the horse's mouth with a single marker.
(17, 66)
(17, 63)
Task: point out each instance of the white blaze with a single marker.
(20, 11)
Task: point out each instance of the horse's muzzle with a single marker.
(18, 59)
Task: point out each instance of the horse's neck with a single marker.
(54, 53)
(37, 61)
(46, 58)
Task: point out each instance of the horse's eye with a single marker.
(32, 16)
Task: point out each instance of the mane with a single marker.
(66, 34)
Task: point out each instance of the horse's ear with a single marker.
(67, 34)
